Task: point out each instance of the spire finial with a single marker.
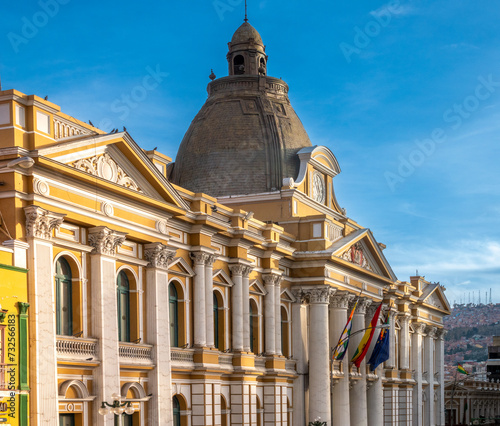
(246, 9)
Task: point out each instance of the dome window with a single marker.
(239, 65)
(262, 67)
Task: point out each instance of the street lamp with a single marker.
(117, 408)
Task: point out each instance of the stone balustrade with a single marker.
(77, 349)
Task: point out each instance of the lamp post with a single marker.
(117, 408)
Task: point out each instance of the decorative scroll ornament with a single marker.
(105, 167)
(320, 295)
(356, 255)
(271, 279)
(199, 257)
(158, 255)
(341, 300)
(41, 222)
(105, 241)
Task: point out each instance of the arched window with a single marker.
(239, 65)
(64, 298)
(260, 413)
(284, 333)
(216, 322)
(224, 412)
(176, 409)
(174, 315)
(254, 327)
(123, 297)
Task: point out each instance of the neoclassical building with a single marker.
(210, 290)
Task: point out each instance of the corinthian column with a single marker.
(270, 281)
(199, 299)
(319, 355)
(105, 312)
(440, 333)
(357, 394)
(160, 383)
(237, 307)
(340, 394)
(43, 358)
(429, 367)
(417, 348)
(246, 307)
(209, 299)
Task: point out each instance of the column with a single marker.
(374, 389)
(440, 370)
(209, 299)
(404, 344)
(277, 317)
(246, 307)
(417, 348)
(42, 320)
(357, 394)
(270, 281)
(429, 367)
(158, 334)
(104, 315)
(199, 303)
(300, 353)
(340, 394)
(319, 356)
(237, 308)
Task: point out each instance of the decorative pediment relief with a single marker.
(433, 300)
(105, 167)
(356, 254)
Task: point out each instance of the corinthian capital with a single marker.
(363, 304)
(158, 255)
(105, 241)
(271, 279)
(41, 222)
(320, 295)
(418, 327)
(430, 331)
(440, 333)
(240, 269)
(199, 257)
(211, 259)
(341, 299)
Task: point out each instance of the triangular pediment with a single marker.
(286, 296)
(434, 296)
(361, 250)
(179, 266)
(257, 288)
(222, 278)
(116, 159)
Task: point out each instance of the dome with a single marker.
(244, 140)
(244, 33)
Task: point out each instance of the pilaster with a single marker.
(199, 299)
(105, 242)
(209, 299)
(42, 322)
(271, 281)
(158, 333)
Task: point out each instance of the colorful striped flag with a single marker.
(366, 340)
(461, 369)
(341, 347)
(380, 352)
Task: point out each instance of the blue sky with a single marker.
(405, 93)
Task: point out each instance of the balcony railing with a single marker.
(76, 349)
(135, 353)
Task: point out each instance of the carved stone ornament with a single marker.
(320, 295)
(104, 240)
(158, 255)
(363, 303)
(271, 279)
(41, 222)
(107, 209)
(356, 255)
(341, 300)
(40, 187)
(419, 327)
(199, 257)
(239, 269)
(105, 167)
(161, 226)
(441, 333)
(431, 331)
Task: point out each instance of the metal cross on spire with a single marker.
(246, 15)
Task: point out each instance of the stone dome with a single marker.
(245, 33)
(246, 136)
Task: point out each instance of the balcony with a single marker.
(76, 349)
(182, 358)
(135, 354)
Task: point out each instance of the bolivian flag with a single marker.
(366, 340)
(341, 347)
(462, 369)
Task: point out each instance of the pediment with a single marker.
(361, 250)
(436, 298)
(287, 296)
(257, 288)
(222, 278)
(179, 266)
(116, 159)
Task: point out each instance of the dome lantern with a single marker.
(247, 53)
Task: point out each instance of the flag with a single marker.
(366, 340)
(341, 347)
(462, 369)
(380, 352)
